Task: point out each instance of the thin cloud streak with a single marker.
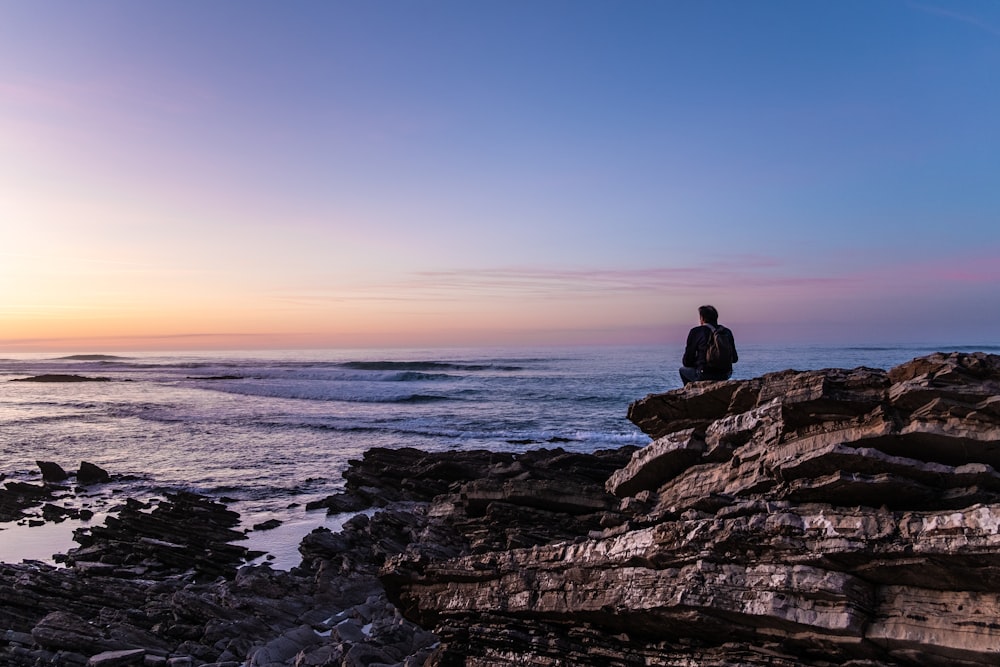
(963, 18)
(516, 283)
(743, 281)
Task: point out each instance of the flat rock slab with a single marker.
(118, 658)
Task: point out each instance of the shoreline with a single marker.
(795, 519)
(52, 515)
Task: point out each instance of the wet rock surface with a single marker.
(836, 517)
(802, 518)
(20, 500)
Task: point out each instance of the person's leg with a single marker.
(688, 374)
(715, 376)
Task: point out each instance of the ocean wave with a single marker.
(442, 431)
(419, 398)
(321, 391)
(42, 419)
(426, 366)
(416, 376)
(581, 437)
(316, 374)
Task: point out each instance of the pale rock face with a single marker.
(800, 518)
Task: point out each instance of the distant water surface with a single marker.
(271, 431)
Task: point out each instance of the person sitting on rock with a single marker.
(710, 351)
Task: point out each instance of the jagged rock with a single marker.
(801, 518)
(90, 473)
(62, 630)
(285, 647)
(52, 472)
(184, 532)
(55, 513)
(16, 497)
(661, 460)
(174, 615)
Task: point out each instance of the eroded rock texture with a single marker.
(833, 517)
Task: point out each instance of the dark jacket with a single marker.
(697, 343)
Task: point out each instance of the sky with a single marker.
(246, 174)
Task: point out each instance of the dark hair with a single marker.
(709, 314)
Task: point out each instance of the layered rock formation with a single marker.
(159, 586)
(802, 518)
(834, 517)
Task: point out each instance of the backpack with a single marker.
(719, 355)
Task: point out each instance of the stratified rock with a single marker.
(185, 532)
(661, 460)
(802, 518)
(62, 630)
(158, 585)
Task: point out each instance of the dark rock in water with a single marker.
(184, 533)
(56, 513)
(270, 524)
(57, 377)
(52, 472)
(28, 491)
(341, 503)
(91, 474)
(16, 497)
(148, 582)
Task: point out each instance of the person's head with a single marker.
(708, 314)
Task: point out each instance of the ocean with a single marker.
(271, 431)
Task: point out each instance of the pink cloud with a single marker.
(968, 270)
(981, 271)
(746, 274)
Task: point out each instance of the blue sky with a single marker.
(412, 173)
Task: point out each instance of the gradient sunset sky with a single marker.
(244, 174)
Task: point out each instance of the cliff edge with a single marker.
(832, 517)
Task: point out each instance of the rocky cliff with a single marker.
(833, 517)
